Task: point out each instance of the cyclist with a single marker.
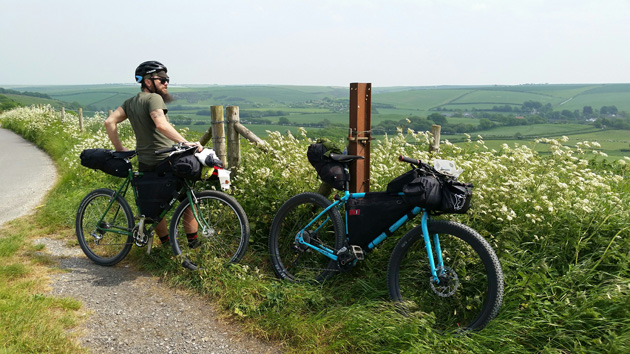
(147, 114)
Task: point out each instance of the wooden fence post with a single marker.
(63, 114)
(360, 135)
(218, 133)
(233, 138)
(81, 119)
(206, 136)
(435, 130)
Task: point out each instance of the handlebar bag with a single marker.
(186, 166)
(424, 191)
(396, 185)
(372, 215)
(456, 196)
(105, 160)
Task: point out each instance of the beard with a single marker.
(167, 97)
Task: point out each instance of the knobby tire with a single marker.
(103, 247)
(477, 298)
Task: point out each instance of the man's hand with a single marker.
(196, 143)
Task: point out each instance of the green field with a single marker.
(310, 106)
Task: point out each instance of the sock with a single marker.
(191, 236)
(164, 239)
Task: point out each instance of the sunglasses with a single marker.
(162, 80)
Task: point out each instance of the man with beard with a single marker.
(147, 114)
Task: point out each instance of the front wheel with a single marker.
(104, 225)
(470, 290)
(220, 225)
(296, 261)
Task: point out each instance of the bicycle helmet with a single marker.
(148, 67)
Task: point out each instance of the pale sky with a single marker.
(323, 42)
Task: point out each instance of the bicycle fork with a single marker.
(438, 249)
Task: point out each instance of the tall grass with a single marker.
(559, 223)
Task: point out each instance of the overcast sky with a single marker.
(322, 42)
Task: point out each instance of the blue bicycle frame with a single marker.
(415, 211)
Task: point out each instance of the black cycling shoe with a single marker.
(189, 265)
(194, 243)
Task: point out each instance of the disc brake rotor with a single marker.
(448, 282)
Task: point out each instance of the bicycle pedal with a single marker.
(357, 251)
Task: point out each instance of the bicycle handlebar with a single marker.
(172, 148)
(176, 147)
(409, 160)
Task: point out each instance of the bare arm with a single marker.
(162, 124)
(111, 126)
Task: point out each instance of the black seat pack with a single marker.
(108, 161)
(329, 170)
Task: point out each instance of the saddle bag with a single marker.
(372, 215)
(329, 170)
(105, 160)
(155, 191)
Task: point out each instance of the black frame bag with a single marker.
(155, 191)
(105, 160)
(372, 215)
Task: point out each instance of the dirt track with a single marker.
(125, 310)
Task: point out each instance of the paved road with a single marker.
(26, 175)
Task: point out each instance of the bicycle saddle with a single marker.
(345, 158)
(125, 154)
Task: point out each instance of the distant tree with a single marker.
(486, 124)
(567, 114)
(437, 118)
(531, 107)
(587, 111)
(608, 110)
(284, 121)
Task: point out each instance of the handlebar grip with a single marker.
(165, 150)
(409, 160)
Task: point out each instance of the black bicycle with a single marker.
(106, 226)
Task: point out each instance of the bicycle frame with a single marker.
(122, 191)
(380, 238)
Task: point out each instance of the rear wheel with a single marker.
(298, 262)
(470, 290)
(104, 227)
(222, 231)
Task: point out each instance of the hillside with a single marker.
(495, 112)
(401, 99)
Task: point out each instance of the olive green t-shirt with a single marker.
(148, 138)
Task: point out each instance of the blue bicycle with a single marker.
(439, 267)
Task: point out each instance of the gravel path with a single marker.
(132, 312)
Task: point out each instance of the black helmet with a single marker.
(149, 67)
